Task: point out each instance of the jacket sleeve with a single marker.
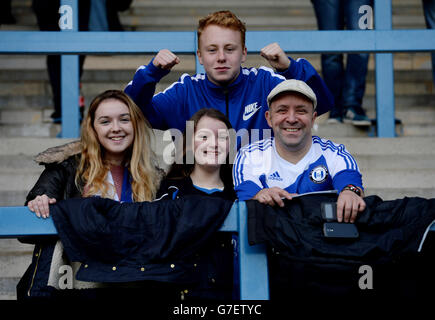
(344, 170)
(51, 182)
(301, 69)
(142, 88)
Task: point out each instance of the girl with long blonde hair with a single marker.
(113, 160)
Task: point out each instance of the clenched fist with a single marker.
(275, 56)
(165, 59)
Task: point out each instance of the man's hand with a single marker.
(165, 59)
(275, 56)
(272, 196)
(348, 206)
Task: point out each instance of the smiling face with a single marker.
(291, 117)
(221, 53)
(114, 129)
(211, 142)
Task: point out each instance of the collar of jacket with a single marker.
(219, 91)
(59, 154)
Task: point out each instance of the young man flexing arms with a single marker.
(239, 93)
(294, 161)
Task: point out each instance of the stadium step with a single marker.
(28, 102)
(393, 168)
(145, 15)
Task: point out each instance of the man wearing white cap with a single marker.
(294, 161)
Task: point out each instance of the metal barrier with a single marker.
(382, 41)
(254, 283)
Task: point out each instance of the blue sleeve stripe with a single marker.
(180, 81)
(259, 145)
(272, 72)
(237, 172)
(340, 150)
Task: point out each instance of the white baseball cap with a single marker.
(293, 85)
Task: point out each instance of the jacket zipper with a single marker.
(34, 272)
(227, 102)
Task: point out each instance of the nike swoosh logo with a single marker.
(250, 113)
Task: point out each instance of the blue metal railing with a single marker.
(383, 42)
(254, 283)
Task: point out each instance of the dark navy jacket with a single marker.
(137, 241)
(217, 266)
(119, 243)
(393, 240)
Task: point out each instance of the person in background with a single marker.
(94, 15)
(347, 83)
(429, 16)
(6, 16)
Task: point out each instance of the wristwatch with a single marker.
(352, 188)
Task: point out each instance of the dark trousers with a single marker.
(429, 16)
(347, 84)
(47, 16)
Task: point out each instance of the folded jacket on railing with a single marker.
(118, 242)
(302, 261)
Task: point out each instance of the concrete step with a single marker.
(402, 61)
(412, 115)
(13, 198)
(17, 153)
(15, 163)
(395, 193)
(18, 181)
(15, 257)
(25, 115)
(389, 146)
(395, 167)
(409, 115)
(28, 146)
(405, 101)
(30, 130)
(153, 15)
(385, 158)
(406, 83)
(23, 123)
(394, 162)
(348, 130)
(8, 288)
(397, 178)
